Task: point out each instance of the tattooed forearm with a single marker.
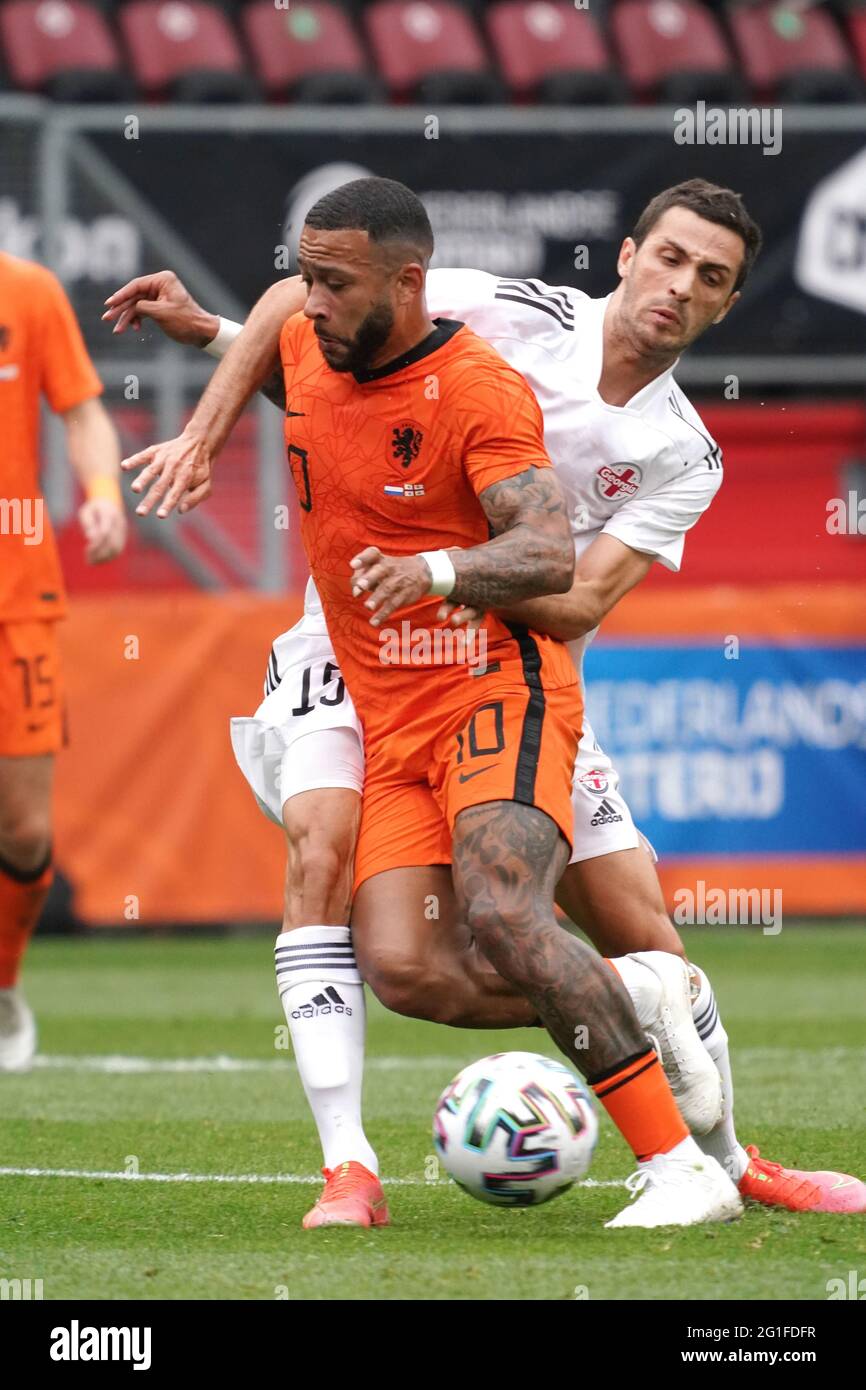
(507, 860)
(531, 553)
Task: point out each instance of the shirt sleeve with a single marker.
(502, 427)
(657, 524)
(511, 313)
(68, 375)
(466, 295)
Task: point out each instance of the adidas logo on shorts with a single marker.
(329, 1002)
(606, 814)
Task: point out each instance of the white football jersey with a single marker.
(643, 472)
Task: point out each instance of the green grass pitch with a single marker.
(793, 1006)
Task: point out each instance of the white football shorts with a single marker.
(307, 696)
(306, 734)
(602, 820)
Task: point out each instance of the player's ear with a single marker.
(626, 256)
(410, 281)
(727, 307)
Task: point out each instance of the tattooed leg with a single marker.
(507, 861)
(429, 968)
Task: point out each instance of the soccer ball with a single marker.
(515, 1129)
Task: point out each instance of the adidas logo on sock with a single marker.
(320, 1004)
(606, 814)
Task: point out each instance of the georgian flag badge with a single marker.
(615, 480)
(404, 489)
(595, 781)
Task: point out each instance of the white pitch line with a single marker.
(132, 1066)
(261, 1178)
(122, 1065)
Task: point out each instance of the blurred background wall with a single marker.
(732, 696)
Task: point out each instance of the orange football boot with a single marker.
(795, 1190)
(352, 1196)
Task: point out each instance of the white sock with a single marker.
(686, 1148)
(322, 995)
(721, 1142)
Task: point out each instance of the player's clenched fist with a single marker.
(389, 581)
(176, 474)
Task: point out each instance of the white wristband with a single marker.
(442, 570)
(225, 336)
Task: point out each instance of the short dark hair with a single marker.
(714, 204)
(386, 210)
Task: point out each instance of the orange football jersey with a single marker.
(396, 457)
(42, 352)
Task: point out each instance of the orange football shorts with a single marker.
(32, 705)
(460, 748)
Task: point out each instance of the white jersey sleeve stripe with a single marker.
(557, 297)
(536, 304)
(713, 458)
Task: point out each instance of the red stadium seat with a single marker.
(550, 51)
(857, 34)
(793, 54)
(63, 48)
(185, 50)
(673, 50)
(431, 51)
(309, 51)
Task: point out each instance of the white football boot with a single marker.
(662, 999)
(17, 1032)
(679, 1192)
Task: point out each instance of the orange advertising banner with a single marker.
(154, 821)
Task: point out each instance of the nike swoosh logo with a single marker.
(467, 776)
(295, 414)
(843, 1182)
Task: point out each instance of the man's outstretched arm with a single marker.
(604, 573)
(179, 472)
(164, 299)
